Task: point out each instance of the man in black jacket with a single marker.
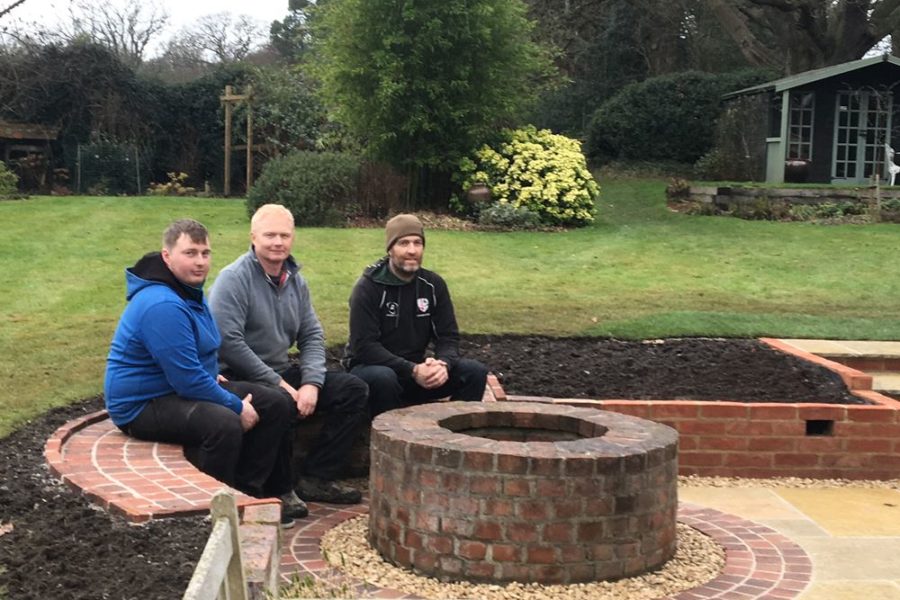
(397, 309)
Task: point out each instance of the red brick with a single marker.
(591, 530)
(725, 443)
(567, 509)
(472, 550)
(724, 410)
(558, 532)
(440, 544)
(687, 442)
(516, 465)
(703, 427)
(516, 487)
(788, 428)
(487, 530)
(428, 478)
(479, 571)
(750, 428)
(771, 444)
(823, 413)
(773, 412)
(486, 485)
(872, 445)
(815, 444)
(413, 540)
(537, 510)
(420, 454)
(482, 462)
(454, 482)
(504, 552)
(424, 561)
(796, 460)
(675, 410)
(700, 459)
(756, 459)
(871, 414)
(541, 555)
(550, 488)
(522, 532)
(497, 507)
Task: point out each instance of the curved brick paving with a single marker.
(144, 480)
(141, 480)
(759, 562)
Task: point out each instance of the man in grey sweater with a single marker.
(262, 308)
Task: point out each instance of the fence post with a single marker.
(211, 580)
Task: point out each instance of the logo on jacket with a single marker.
(392, 309)
(422, 303)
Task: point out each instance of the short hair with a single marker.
(270, 209)
(193, 229)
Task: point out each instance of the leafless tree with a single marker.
(9, 7)
(126, 28)
(796, 35)
(217, 38)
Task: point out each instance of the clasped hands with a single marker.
(249, 416)
(431, 374)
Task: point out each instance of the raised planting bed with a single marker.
(744, 408)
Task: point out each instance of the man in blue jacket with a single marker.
(162, 383)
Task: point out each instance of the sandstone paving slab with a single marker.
(824, 347)
(851, 512)
(885, 381)
(751, 503)
(853, 559)
(842, 590)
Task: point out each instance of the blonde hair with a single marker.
(267, 210)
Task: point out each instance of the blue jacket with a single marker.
(166, 343)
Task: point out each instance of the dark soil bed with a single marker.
(54, 544)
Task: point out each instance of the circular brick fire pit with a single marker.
(520, 491)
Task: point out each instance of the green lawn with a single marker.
(640, 271)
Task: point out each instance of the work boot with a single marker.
(292, 506)
(313, 489)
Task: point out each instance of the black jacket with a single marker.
(392, 322)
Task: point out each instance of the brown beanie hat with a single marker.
(401, 226)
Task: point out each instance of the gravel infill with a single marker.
(697, 560)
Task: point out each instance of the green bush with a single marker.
(9, 181)
(537, 170)
(319, 188)
(507, 216)
(671, 117)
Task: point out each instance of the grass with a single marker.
(639, 272)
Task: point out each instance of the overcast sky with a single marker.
(181, 12)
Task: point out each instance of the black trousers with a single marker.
(343, 404)
(466, 381)
(256, 462)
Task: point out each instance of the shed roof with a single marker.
(26, 131)
(806, 77)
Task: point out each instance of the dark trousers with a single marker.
(256, 462)
(342, 402)
(387, 391)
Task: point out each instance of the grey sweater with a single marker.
(259, 322)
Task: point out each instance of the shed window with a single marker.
(800, 126)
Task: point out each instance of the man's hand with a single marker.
(431, 374)
(307, 397)
(249, 418)
(221, 378)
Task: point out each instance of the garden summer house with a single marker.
(829, 125)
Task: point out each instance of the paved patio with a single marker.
(824, 543)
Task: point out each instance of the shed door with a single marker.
(862, 120)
